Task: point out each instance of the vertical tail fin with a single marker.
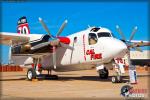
(22, 26)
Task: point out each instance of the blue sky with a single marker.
(79, 16)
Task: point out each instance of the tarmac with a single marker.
(70, 85)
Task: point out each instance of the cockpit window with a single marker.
(104, 34)
(94, 29)
(92, 38)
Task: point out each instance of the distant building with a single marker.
(140, 55)
(140, 58)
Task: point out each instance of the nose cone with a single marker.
(114, 48)
(119, 49)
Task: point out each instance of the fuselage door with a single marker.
(90, 51)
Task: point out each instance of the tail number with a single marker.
(23, 29)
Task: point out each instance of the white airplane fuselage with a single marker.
(85, 55)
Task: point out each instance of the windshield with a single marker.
(104, 34)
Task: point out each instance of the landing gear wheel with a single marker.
(31, 74)
(116, 79)
(119, 78)
(103, 73)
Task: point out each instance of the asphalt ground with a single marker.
(70, 85)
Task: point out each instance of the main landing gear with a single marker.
(36, 71)
(103, 73)
(31, 74)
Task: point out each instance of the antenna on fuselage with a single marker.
(89, 26)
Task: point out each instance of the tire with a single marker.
(103, 73)
(116, 79)
(31, 74)
(119, 78)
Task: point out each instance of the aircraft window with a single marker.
(75, 39)
(94, 29)
(104, 34)
(92, 38)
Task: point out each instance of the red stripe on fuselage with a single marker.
(84, 47)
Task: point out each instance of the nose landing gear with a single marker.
(116, 79)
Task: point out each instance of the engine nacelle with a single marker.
(21, 49)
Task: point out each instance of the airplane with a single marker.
(94, 47)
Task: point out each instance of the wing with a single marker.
(138, 43)
(13, 38)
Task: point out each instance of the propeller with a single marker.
(128, 43)
(53, 43)
(137, 48)
(66, 46)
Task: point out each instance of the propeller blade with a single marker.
(62, 27)
(138, 49)
(54, 57)
(133, 32)
(45, 27)
(120, 32)
(66, 46)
